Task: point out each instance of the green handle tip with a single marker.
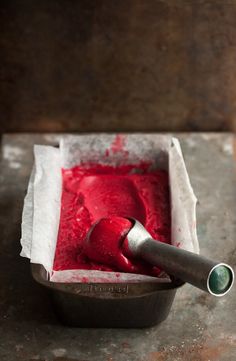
(220, 279)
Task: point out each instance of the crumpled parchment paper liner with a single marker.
(41, 213)
(41, 210)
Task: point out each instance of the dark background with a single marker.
(110, 65)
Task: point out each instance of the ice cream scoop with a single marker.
(115, 239)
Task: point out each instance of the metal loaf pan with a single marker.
(123, 305)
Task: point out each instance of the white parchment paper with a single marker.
(41, 212)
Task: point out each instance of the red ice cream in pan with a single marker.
(91, 192)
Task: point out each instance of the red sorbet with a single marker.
(105, 240)
(91, 192)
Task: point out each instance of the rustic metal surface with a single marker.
(199, 327)
(117, 65)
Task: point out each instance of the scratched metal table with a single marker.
(199, 327)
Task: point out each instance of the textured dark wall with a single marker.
(117, 65)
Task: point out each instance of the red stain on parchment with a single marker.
(117, 146)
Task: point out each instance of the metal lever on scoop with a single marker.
(213, 277)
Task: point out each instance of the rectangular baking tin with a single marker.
(110, 304)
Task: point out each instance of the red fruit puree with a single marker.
(91, 192)
(105, 243)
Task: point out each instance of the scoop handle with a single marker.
(210, 276)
